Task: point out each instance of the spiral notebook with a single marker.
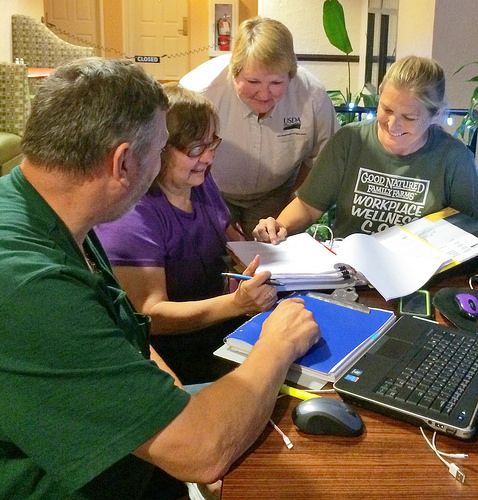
(394, 268)
(346, 333)
(396, 261)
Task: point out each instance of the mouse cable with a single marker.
(453, 469)
(286, 440)
(472, 281)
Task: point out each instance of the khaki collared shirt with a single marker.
(260, 154)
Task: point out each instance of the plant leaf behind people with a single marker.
(334, 26)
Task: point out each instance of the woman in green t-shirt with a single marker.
(391, 170)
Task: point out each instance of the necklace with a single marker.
(90, 263)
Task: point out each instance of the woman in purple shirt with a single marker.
(168, 252)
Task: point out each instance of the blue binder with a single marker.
(346, 333)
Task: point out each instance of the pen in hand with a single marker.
(244, 277)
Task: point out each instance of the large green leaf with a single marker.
(469, 122)
(464, 66)
(334, 26)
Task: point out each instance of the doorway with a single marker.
(76, 21)
(159, 28)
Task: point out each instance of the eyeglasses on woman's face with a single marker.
(200, 149)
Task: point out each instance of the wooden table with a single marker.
(390, 460)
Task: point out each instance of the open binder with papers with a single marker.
(396, 261)
(346, 333)
(299, 262)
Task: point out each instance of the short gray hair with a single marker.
(88, 107)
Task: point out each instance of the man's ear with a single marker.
(122, 162)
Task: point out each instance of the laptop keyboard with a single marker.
(438, 374)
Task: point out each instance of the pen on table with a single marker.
(244, 277)
(297, 393)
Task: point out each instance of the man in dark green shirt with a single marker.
(88, 409)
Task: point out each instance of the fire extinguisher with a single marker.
(224, 32)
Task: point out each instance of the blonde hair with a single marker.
(421, 76)
(267, 42)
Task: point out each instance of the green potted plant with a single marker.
(336, 31)
(467, 128)
(334, 26)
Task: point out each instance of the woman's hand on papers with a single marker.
(295, 218)
(269, 231)
(254, 295)
(291, 327)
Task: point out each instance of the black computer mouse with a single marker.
(467, 304)
(327, 416)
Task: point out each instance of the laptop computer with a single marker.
(421, 372)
